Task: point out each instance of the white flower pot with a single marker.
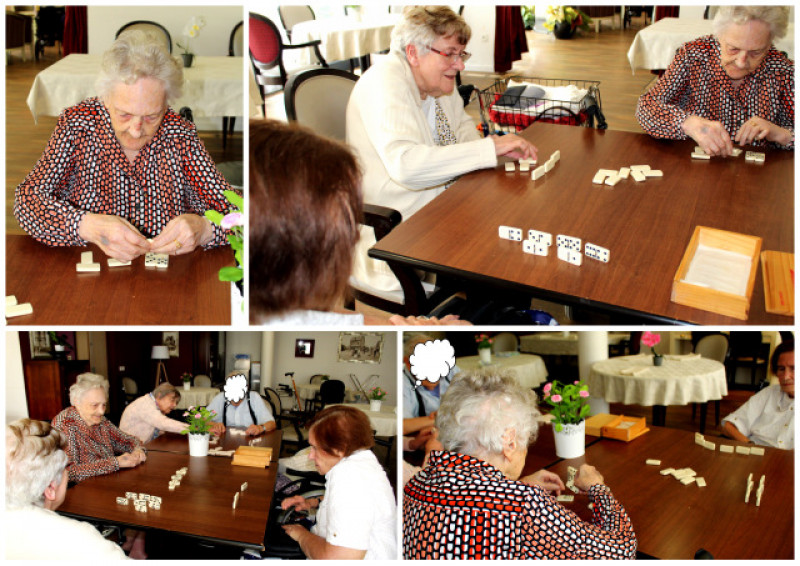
(198, 445)
(571, 441)
(486, 355)
(375, 405)
(187, 385)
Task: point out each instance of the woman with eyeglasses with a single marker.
(408, 126)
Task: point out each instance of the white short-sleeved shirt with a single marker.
(767, 418)
(359, 508)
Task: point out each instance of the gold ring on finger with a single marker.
(177, 245)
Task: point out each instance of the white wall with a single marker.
(482, 21)
(242, 343)
(325, 361)
(16, 401)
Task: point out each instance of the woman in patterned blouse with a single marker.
(124, 167)
(733, 86)
(473, 487)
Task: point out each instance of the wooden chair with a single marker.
(154, 28)
(714, 347)
(505, 342)
(289, 422)
(202, 381)
(292, 15)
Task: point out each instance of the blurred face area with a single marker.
(92, 407)
(167, 403)
(743, 47)
(322, 460)
(435, 74)
(136, 112)
(54, 494)
(786, 373)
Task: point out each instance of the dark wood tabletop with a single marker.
(179, 443)
(542, 453)
(201, 506)
(673, 521)
(646, 226)
(188, 292)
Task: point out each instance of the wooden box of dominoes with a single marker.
(252, 456)
(625, 428)
(718, 272)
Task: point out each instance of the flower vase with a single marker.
(563, 30)
(188, 59)
(571, 440)
(658, 359)
(486, 356)
(198, 444)
(187, 385)
(375, 405)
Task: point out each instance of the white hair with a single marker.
(480, 409)
(85, 383)
(165, 389)
(137, 55)
(34, 459)
(422, 25)
(776, 17)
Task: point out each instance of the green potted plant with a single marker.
(59, 344)
(376, 397)
(199, 429)
(529, 16)
(190, 31)
(570, 408)
(187, 380)
(563, 21)
(233, 221)
(484, 348)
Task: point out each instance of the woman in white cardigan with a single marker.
(396, 122)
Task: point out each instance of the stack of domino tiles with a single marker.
(611, 177)
(684, 475)
(175, 481)
(699, 153)
(524, 165)
(539, 172)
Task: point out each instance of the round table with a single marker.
(196, 397)
(384, 422)
(527, 369)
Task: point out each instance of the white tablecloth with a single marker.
(212, 86)
(344, 38)
(309, 391)
(196, 396)
(654, 46)
(384, 422)
(528, 370)
(558, 344)
(695, 380)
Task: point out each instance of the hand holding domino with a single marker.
(114, 235)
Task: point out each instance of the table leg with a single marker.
(659, 415)
(364, 61)
(703, 412)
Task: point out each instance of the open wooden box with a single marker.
(705, 297)
(625, 428)
(253, 456)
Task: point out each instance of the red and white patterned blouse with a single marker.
(83, 169)
(695, 83)
(460, 507)
(92, 450)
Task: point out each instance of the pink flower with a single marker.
(198, 416)
(584, 394)
(213, 412)
(547, 387)
(232, 219)
(190, 408)
(650, 339)
(575, 382)
(186, 414)
(556, 398)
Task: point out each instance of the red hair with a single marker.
(342, 430)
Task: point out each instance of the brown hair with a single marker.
(305, 211)
(342, 430)
(782, 348)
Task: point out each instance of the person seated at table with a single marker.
(732, 86)
(124, 167)
(408, 126)
(768, 416)
(356, 518)
(36, 485)
(232, 410)
(420, 402)
(146, 418)
(304, 218)
(485, 424)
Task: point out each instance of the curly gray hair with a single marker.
(136, 55)
(35, 458)
(776, 17)
(479, 409)
(422, 25)
(85, 383)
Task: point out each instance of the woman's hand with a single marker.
(140, 454)
(217, 429)
(295, 531)
(127, 460)
(450, 319)
(712, 137)
(548, 481)
(183, 234)
(115, 236)
(588, 476)
(757, 128)
(299, 502)
(513, 146)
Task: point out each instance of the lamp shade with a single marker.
(160, 353)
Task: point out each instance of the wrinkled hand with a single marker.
(294, 531)
(422, 437)
(548, 481)
(757, 128)
(299, 502)
(712, 137)
(115, 236)
(450, 319)
(588, 476)
(513, 146)
(183, 234)
(140, 454)
(217, 429)
(128, 460)
(253, 430)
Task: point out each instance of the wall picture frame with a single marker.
(360, 347)
(304, 348)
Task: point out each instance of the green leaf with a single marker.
(231, 274)
(214, 216)
(584, 411)
(235, 199)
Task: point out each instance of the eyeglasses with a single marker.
(452, 57)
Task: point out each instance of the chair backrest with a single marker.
(153, 28)
(332, 391)
(291, 15)
(236, 41)
(274, 400)
(202, 381)
(745, 344)
(318, 378)
(318, 100)
(505, 342)
(714, 346)
(129, 385)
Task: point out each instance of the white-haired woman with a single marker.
(732, 86)
(485, 425)
(124, 167)
(409, 128)
(36, 484)
(240, 407)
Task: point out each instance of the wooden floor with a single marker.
(26, 139)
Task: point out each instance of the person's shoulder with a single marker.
(67, 418)
(777, 63)
(387, 75)
(175, 127)
(87, 115)
(703, 48)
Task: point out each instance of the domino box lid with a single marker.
(625, 428)
(733, 304)
(595, 423)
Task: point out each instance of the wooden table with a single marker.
(646, 226)
(179, 443)
(200, 507)
(673, 521)
(188, 292)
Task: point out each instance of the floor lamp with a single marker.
(160, 353)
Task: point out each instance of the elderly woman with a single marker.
(733, 86)
(124, 167)
(304, 223)
(36, 484)
(356, 518)
(409, 128)
(485, 425)
(768, 416)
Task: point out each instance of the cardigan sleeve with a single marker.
(658, 111)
